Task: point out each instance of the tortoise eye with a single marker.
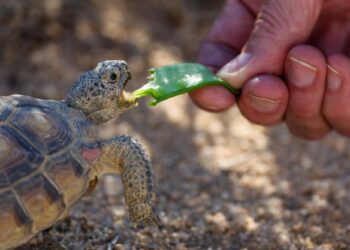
(113, 76)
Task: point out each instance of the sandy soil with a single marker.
(223, 183)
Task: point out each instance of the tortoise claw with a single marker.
(153, 220)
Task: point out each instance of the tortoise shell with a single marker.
(42, 172)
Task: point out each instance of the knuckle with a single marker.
(278, 18)
(272, 18)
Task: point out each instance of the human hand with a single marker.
(294, 64)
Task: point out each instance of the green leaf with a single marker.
(172, 80)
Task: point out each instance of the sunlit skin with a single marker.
(297, 68)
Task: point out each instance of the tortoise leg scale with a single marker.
(124, 156)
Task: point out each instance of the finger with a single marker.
(279, 26)
(336, 107)
(224, 41)
(213, 98)
(331, 25)
(305, 71)
(264, 100)
(229, 33)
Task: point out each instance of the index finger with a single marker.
(228, 35)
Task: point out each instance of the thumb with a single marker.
(279, 26)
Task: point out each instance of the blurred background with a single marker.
(223, 183)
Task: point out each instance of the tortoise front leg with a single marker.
(124, 156)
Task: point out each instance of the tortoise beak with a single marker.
(127, 100)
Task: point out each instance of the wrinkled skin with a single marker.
(295, 64)
(100, 94)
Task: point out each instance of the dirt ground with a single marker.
(223, 183)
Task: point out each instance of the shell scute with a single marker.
(5, 109)
(40, 172)
(41, 199)
(17, 157)
(15, 223)
(3, 180)
(45, 128)
(69, 175)
(27, 101)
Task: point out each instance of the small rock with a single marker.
(218, 221)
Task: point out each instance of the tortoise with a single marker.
(50, 154)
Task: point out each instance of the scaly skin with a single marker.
(123, 155)
(49, 149)
(100, 94)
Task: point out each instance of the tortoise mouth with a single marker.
(126, 101)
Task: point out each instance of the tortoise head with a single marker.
(100, 94)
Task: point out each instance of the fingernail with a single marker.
(232, 72)
(334, 79)
(210, 107)
(263, 104)
(301, 73)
